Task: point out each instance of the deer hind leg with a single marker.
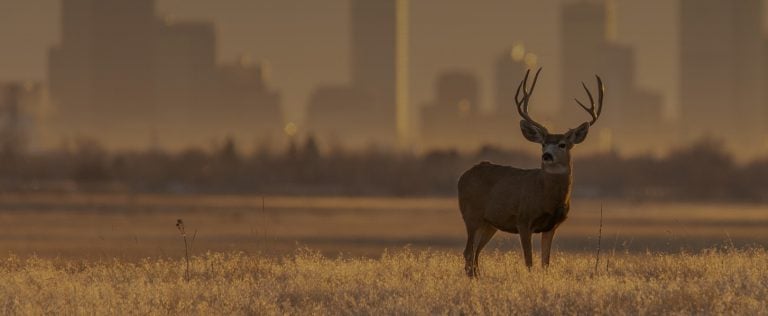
(546, 246)
(485, 236)
(477, 238)
(469, 253)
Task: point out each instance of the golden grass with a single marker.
(403, 282)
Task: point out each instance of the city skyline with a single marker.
(723, 73)
(620, 62)
(497, 21)
(373, 106)
(126, 75)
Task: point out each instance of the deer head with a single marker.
(555, 148)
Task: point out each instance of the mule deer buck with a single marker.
(523, 201)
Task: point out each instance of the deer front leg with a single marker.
(525, 241)
(546, 246)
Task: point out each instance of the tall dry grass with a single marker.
(404, 282)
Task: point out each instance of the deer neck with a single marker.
(558, 169)
(559, 182)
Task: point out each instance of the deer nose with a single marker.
(547, 157)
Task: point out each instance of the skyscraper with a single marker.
(721, 69)
(373, 108)
(123, 60)
(245, 104)
(128, 78)
(373, 36)
(69, 63)
(185, 79)
(22, 115)
(338, 113)
(510, 69)
(451, 120)
(582, 42)
(633, 117)
(379, 65)
(101, 74)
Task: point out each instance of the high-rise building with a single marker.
(509, 71)
(22, 118)
(12, 138)
(123, 62)
(245, 106)
(185, 79)
(69, 63)
(126, 77)
(721, 70)
(373, 108)
(379, 63)
(102, 73)
(373, 36)
(632, 119)
(338, 113)
(450, 120)
(582, 41)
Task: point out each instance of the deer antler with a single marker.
(593, 110)
(522, 103)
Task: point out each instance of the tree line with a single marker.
(703, 170)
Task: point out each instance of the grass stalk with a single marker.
(599, 239)
(180, 226)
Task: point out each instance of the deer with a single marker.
(523, 201)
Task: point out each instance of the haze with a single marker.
(306, 42)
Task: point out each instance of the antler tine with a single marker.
(521, 85)
(600, 92)
(593, 110)
(535, 79)
(522, 104)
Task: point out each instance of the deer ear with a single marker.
(578, 135)
(532, 132)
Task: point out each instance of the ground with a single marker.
(122, 254)
(722, 281)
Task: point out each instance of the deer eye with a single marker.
(561, 145)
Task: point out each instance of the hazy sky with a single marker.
(306, 41)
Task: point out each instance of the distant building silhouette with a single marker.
(102, 73)
(340, 113)
(245, 105)
(379, 72)
(582, 41)
(22, 116)
(373, 36)
(509, 71)
(722, 70)
(454, 119)
(123, 75)
(449, 120)
(186, 80)
(633, 117)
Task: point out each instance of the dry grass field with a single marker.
(122, 254)
(732, 282)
